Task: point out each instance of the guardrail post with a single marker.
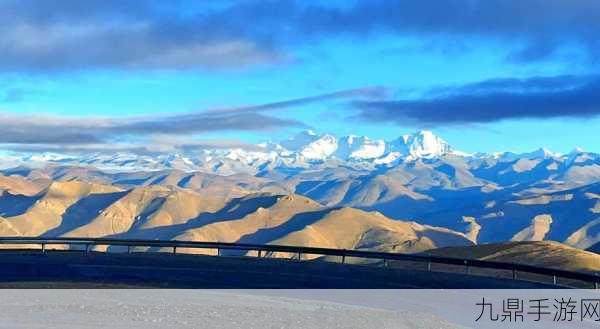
(385, 262)
(596, 285)
(87, 248)
(299, 255)
(218, 251)
(554, 279)
(514, 272)
(429, 265)
(343, 259)
(174, 249)
(43, 247)
(259, 253)
(129, 249)
(466, 267)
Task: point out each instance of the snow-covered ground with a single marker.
(146, 309)
(323, 309)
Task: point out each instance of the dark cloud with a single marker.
(536, 29)
(71, 34)
(532, 84)
(33, 135)
(75, 132)
(365, 92)
(202, 123)
(166, 145)
(61, 131)
(494, 100)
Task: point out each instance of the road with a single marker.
(65, 269)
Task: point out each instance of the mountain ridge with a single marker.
(306, 150)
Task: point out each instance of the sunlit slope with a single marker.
(542, 253)
(6, 228)
(490, 200)
(255, 219)
(19, 185)
(79, 209)
(191, 206)
(349, 228)
(146, 207)
(47, 210)
(236, 185)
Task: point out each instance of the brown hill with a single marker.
(52, 204)
(349, 228)
(19, 185)
(541, 253)
(80, 209)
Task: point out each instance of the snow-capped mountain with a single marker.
(319, 148)
(304, 150)
(311, 146)
(423, 144)
(360, 148)
(300, 151)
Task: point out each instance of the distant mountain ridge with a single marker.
(305, 150)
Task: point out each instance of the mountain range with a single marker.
(305, 150)
(409, 194)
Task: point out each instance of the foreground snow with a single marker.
(146, 309)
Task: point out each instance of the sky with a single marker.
(161, 76)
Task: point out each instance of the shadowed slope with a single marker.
(246, 223)
(147, 208)
(349, 228)
(84, 212)
(47, 211)
(595, 248)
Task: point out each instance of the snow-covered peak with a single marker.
(270, 147)
(360, 147)
(300, 140)
(541, 153)
(578, 155)
(313, 146)
(422, 144)
(303, 150)
(577, 150)
(320, 148)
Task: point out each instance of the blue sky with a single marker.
(484, 75)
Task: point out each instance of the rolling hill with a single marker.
(547, 254)
(81, 209)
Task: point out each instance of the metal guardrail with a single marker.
(593, 279)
